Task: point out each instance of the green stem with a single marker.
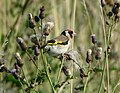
(58, 76)
(109, 34)
(108, 79)
(106, 41)
(31, 59)
(116, 86)
(21, 85)
(62, 86)
(72, 42)
(107, 61)
(37, 72)
(86, 83)
(45, 61)
(47, 71)
(102, 78)
(25, 77)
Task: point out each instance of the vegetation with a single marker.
(90, 66)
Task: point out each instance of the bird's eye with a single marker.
(70, 32)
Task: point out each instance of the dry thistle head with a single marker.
(47, 28)
(98, 53)
(31, 21)
(93, 38)
(36, 50)
(30, 17)
(16, 67)
(36, 19)
(42, 15)
(14, 73)
(2, 67)
(89, 57)
(18, 59)
(33, 38)
(21, 43)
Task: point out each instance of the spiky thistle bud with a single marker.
(93, 38)
(31, 21)
(34, 40)
(16, 67)
(21, 43)
(42, 15)
(89, 57)
(14, 73)
(36, 19)
(47, 28)
(2, 67)
(18, 59)
(98, 53)
(36, 50)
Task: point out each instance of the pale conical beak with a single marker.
(74, 34)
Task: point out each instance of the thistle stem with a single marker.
(60, 69)
(47, 72)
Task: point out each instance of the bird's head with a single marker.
(69, 33)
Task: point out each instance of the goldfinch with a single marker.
(107, 2)
(60, 44)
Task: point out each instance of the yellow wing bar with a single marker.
(56, 43)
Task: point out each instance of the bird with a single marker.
(60, 44)
(107, 2)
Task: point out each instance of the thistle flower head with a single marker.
(98, 53)
(30, 17)
(33, 38)
(18, 59)
(47, 28)
(36, 19)
(36, 50)
(42, 15)
(14, 73)
(21, 43)
(89, 56)
(31, 21)
(93, 38)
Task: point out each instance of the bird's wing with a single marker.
(61, 40)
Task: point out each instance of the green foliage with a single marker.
(42, 76)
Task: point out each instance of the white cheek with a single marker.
(67, 34)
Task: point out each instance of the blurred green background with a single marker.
(13, 23)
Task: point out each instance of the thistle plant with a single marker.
(93, 67)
